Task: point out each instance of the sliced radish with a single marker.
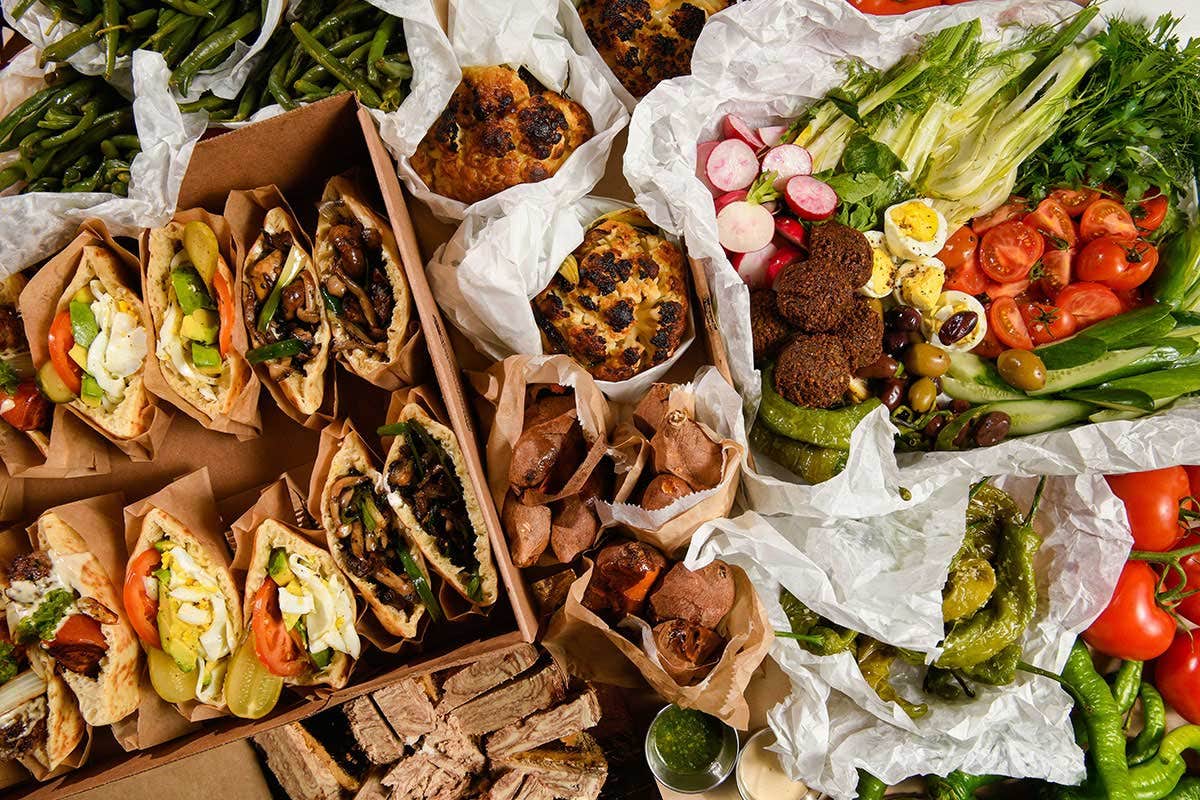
(785, 253)
(731, 165)
(770, 134)
(703, 151)
(810, 198)
(754, 267)
(734, 127)
(792, 230)
(744, 227)
(729, 197)
(788, 160)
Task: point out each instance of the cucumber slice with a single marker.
(1112, 415)
(1119, 399)
(1038, 416)
(1073, 352)
(974, 392)
(52, 385)
(1111, 366)
(1151, 334)
(1163, 383)
(1124, 326)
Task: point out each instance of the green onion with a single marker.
(419, 580)
(291, 268)
(275, 351)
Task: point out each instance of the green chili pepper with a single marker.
(812, 463)
(275, 351)
(379, 44)
(420, 582)
(1126, 685)
(870, 787)
(211, 47)
(999, 670)
(1145, 745)
(958, 785)
(1188, 789)
(1106, 738)
(90, 112)
(72, 43)
(819, 426)
(335, 66)
(817, 635)
(875, 663)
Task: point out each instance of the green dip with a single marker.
(687, 740)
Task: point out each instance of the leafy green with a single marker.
(864, 154)
(10, 381)
(43, 622)
(8, 662)
(763, 189)
(867, 181)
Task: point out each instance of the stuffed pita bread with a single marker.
(17, 384)
(360, 268)
(198, 616)
(193, 312)
(38, 714)
(285, 314)
(429, 490)
(370, 544)
(62, 606)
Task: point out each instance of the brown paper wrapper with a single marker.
(40, 301)
(588, 647)
(244, 213)
(189, 500)
(243, 420)
(74, 450)
(12, 497)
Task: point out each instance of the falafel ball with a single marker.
(813, 295)
(845, 246)
(861, 332)
(769, 329)
(813, 371)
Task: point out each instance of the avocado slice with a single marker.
(185, 656)
(277, 567)
(201, 325)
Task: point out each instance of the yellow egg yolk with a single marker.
(916, 220)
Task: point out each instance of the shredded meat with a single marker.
(23, 728)
(83, 658)
(31, 567)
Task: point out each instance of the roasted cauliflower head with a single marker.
(501, 128)
(619, 303)
(647, 41)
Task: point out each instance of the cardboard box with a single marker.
(297, 152)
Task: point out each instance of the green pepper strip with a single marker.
(958, 785)
(211, 47)
(275, 351)
(1154, 724)
(870, 787)
(420, 582)
(335, 66)
(1126, 685)
(1106, 737)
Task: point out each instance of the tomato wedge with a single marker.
(959, 248)
(274, 647)
(1107, 218)
(225, 311)
(80, 629)
(966, 277)
(1116, 263)
(990, 346)
(1004, 317)
(1075, 201)
(1009, 250)
(1046, 322)
(59, 341)
(1015, 208)
(1151, 212)
(1089, 302)
(139, 605)
(1054, 273)
(998, 290)
(1051, 219)
(30, 410)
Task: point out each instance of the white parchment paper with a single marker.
(833, 723)
(518, 33)
(485, 277)
(33, 226)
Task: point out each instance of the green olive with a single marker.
(922, 395)
(925, 359)
(1022, 370)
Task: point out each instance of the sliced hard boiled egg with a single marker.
(883, 267)
(919, 283)
(915, 229)
(949, 304)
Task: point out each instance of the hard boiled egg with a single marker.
(915, 229)
(883, 267)
(949, 304)
(919, 283)
(331, 621)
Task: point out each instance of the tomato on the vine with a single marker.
(1075, 201)
(1009, 250)
(1189, 607)
(1051, 220)
(1132, 625)
(1151, 212)
(1046, 322)
(1088, 302)
(1107, 217)
(1116, 263)
(1177, 675)
(1004, 317)
(1152, 502)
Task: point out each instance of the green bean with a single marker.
(1126, 685)
(46, 184)
(31, 145)
(1106, 738)
(336, 67)
(209, 102)
(276, 86)
(393, 68)
(126, 141)
(57, 120)
(340, 17)
(12, 173)
(346, 46)
(180, 41)
(72, 43)
(112, 18)
(221, 16)
(189, 7)
(379, 44)
(142, 19)
(214, 45)
(168, 23)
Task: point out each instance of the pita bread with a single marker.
(341, 198)
(165, 242)
(352, 457)
(10, 292)
(304, 389)
(272, 534)
(453, 575)
(64, 729)
(113, 694)
(159, 525)
(124, 420)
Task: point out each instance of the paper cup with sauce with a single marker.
(760, 776)
(690, 751)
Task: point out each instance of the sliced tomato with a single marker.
(1004, 317)
(890, 7)
(1151, 212)
(274, 647)
(139, 605)
(26, 409)
(225, 311)
(1015, 208)
(1107, 217)
(1054, 272)
(1009, 250)
(966, 277)
(1051, 219)
(1075, 201)
(998, 290)
(1089, 303)
(1116, 263)
(59, 341)
(80, 629)
(1046, 322)
(989, 346)
(960, 247)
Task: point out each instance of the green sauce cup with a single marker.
(689, 751)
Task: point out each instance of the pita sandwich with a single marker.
(14, 349)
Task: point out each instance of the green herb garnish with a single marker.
(43, 622)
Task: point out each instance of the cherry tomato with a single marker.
(60, 340)
(1107, 217)
(225, 311)
(1089, 302)
(1193, 474)
(29, 411)
(1177, 675)
(1130, 299)
(139, 605)
(998, 290)
(989, 346)
(1116, 263)
(1151, 212)
(80, 629)
(1051, 219)
(1152, 501)
(1015, 208)
(1009, 250)
(274, 647)
(1054, 274)
(966, 277)
(1075, 201)
(960, 248)
(1189, 607)
(1004, 317)
(889, 7)
(1047, 323)
(1132, 625)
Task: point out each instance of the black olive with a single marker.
(958, 326)
(893, 393)
(894, 342)
(904, 318)
(992, 428)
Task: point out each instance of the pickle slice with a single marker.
(172, 684)
(251, 691)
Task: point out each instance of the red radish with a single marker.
(791, 230)
(734, 127)
(753, 267)
(744, 227)
(770, 135)
(785, 254)
(810, 198)
(703, 151)
(729, 197)
(788, 160)
(732, 165)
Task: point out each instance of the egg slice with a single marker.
(919, 283)
(883, 267)
(330, 623)
(949, 304)
(915, 229)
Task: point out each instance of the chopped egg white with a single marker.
(950, 303)
(883, 267)
(330, 623)
(202, 606)
(919, 283)
(119, 348)
(915, 229)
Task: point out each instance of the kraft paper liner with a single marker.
(243, 419)
(74, 450)
(244, 212)
(39, 303)
(190, 501)
(12, 497)
(16, 541)
(586, 646)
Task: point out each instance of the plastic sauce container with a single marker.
(760, 776)
(690, 751)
